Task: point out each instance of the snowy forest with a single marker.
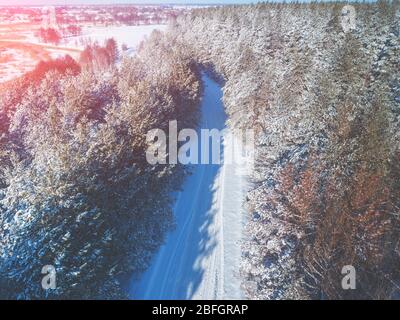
(325, 105)
(76, 190)
(75, 185)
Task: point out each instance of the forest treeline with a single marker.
(76, 191)
(325, 105)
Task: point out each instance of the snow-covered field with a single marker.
(200, 258)
(128, 35)
(27, 50)
(13, 63)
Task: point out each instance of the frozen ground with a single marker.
(200, 258)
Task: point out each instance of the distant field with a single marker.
(20, 50)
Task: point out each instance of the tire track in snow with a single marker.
(184, 230)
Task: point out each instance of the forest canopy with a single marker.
(76, 190)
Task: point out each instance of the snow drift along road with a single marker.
(200, 258)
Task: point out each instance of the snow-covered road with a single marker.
(200, 258)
